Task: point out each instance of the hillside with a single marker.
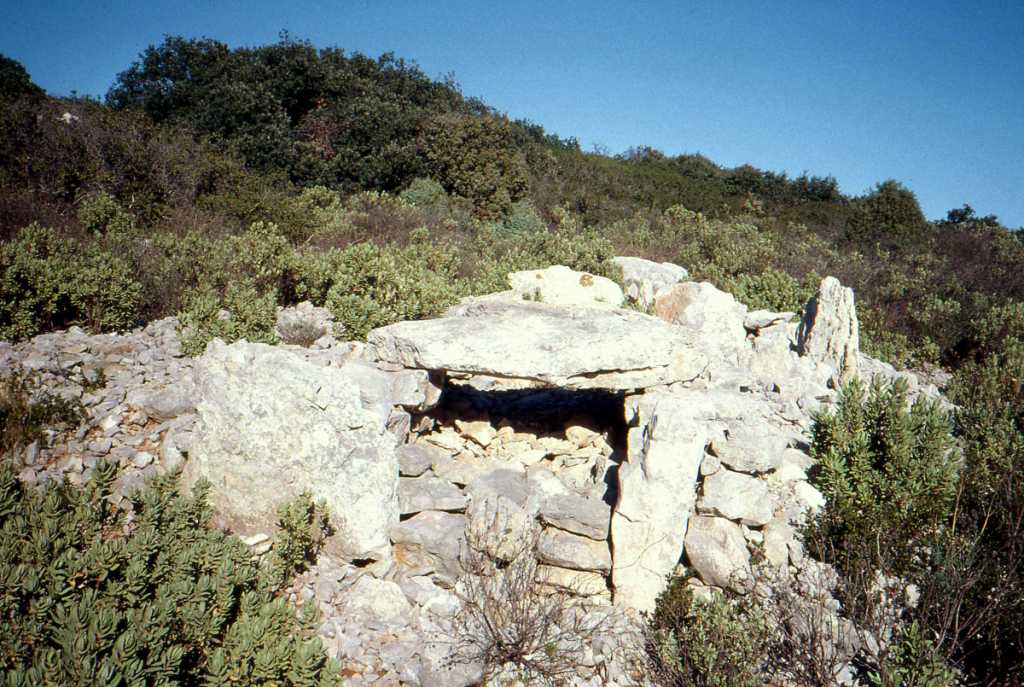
(215, 191)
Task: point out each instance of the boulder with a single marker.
(272, 425)
(430, 541)
(415, 459)
(717, 550)
(565, 550)
(656, 491)
(645, 278)
(829, 330)
(577, 514)
(559, 285)
(750, 447)
(429, 493)
(544, 345)
(164, 401)
(703, 309)
(737, 497)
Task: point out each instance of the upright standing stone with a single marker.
(829, 330)
(657, 489)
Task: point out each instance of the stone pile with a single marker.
(618, 445)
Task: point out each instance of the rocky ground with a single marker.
(618, 445)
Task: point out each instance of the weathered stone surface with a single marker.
(737, 497)
(657, 490)
(429, 493)
(502, 513)
(761, 319)
(415, 459)
(559, 285)
(165, 401)
(716, 549)
(578, 582)
(272, 425)
(430, 538)
(702, 308)
(574, 513)
(545, 345)
(379, 600)
(829, 330)
(645, 278)
(565, 550)
(750, 448)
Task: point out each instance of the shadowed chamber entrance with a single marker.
(580, 436)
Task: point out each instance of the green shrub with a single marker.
(710, 641)
(884, 468)
(372, 286)
(47, 282)
(101, 214)
(242, 312)
(89, 597)
(25, 413)
(772, 290)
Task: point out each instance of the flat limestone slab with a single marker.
(545, 345)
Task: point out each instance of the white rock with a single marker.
(829, 330)
(545, 345)
(703, 309)
(657, 490)
(737, 497)
(559, 285)
(272, 425)
(379, 600)
(717, 550)
(645, 278)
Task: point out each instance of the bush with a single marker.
(47, 282)
(242, 312)
(884, 469)
(706, 641)
(370, 286)
(90, 597)
(25, 413)
(772, 290)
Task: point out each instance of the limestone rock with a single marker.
(737, 497)
(429, 493)
(559, 285)
(574, 513)
(165, 401)
(565, 550)
(578, 582)
(415, 459)
(762, 319)
(716, 549)
(657, 490)
(272, 425)
(645, 278)
(829, 330)
(379, 600)
(430, 540)
(545, 345)
(750, 448)
(700, 307)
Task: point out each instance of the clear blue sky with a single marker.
(928, 93)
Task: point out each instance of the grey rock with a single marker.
(164, 401)
(645, 278)
(760, 319)
(717, 550)
(415, 459)
(272, 425)
(429, 493)
(657, 490)
(749, 447)
(440, 535)
(829, 330)
(544, 345)
(566, 550)
(737, 497)
(571, 512)
(559, 285)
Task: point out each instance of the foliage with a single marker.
(90, 597)
(511, 620)
(241, 312)
(48, 282)
(705, 641)
(884, 468)
(368, 286)
(26, 413)
(889, 213)
(15, 81)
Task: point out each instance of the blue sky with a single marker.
(928, 93)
